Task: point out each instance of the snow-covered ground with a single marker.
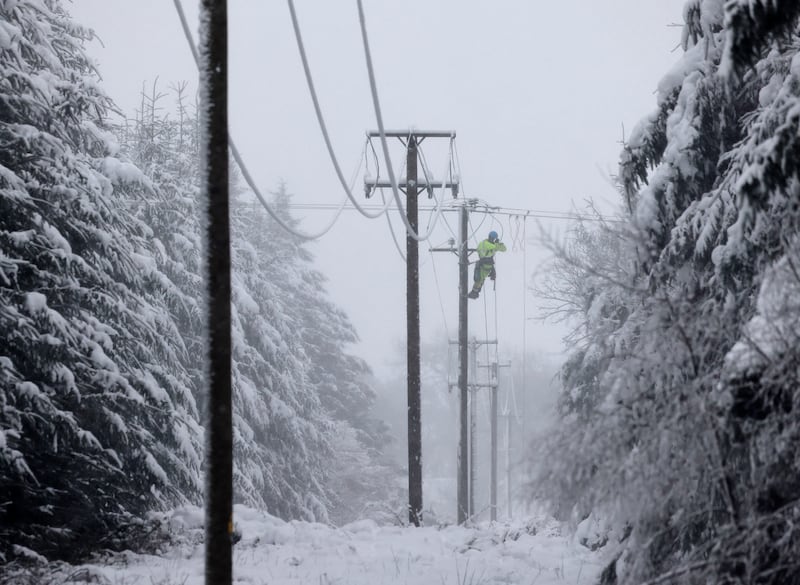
(275, 552)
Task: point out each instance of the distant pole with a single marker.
(524, 328)
(495, 397)
(508, 461)
(413, 356)
(493, 488)
(473, 426)
(463, 388)
(522, 440)
(219, 479)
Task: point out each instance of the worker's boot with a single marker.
(474, 294)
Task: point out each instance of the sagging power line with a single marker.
(409, 215)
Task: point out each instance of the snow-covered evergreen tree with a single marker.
(693, 440)
(101, 325)
(337, 385)
(166, 148)
(280, 431)
(280, 436)
(97, 418)
(297, 393)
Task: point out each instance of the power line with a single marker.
(439, 295)
(238, 158)
(381, 129)
(320, 118)
(394, 235)
(510, 212)
(389, 217)
(544, 214)
(475, 231)
(363, 209)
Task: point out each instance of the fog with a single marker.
(539, 94)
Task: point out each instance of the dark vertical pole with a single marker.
(493, 488)
(472, 403)
(219, 480)
(412, 323)
(508, 461)
(463, 454)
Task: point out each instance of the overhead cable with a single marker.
(324, 129)
(240, 162)
(511, 213)
(391, 229)
(321, 120)
(381, 130)
(439, 207)
(389, 217)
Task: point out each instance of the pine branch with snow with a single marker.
(750, 25)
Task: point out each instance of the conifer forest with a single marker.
(657, 443)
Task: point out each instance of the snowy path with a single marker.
(276, 553)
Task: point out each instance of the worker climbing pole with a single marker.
(484, 267)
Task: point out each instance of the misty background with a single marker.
(540, 97)
(539, 94)
(660, 443)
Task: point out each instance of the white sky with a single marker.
(538, 93)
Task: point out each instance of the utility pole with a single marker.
(507, 414)
(463, 388)
(463, 509)
(494, 380)
(493, 487)
(412, 347)
(473, 424)
(411, 187)
(219, 482)
(474, 388)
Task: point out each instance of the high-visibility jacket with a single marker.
(486, 249)
(484, 267)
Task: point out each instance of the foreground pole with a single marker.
(413, 356)
(219, 461)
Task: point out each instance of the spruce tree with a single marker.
(691, 445)
(350, 461)
(297, 393)
(277, 427)
(97, 419)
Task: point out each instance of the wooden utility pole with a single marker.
(413, 349)
(462, 456)
(463, 365)
(411, 187)
(495, 392)
(464, 463)
(473, 424)
(475, 387)
(219, 480)
(509, 511)
(493, 480)
(468, 390)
